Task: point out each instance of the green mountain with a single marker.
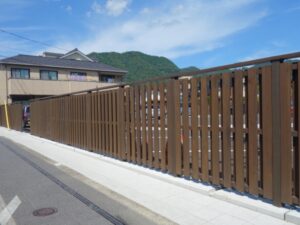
(189, 69)
(139, 65)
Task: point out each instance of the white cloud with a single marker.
(116, 7)
(272, 48)
(145, 10)
(96, 7)
(175, 30)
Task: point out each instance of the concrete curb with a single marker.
(293, 217)
(255, 204)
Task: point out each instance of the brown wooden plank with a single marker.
(149, 120)
(163, 147)
(267, 132)
(177, 131)
(297, 161)
(215, 130)
(226, 130)
(186, 131)
(195, 134)
(132, 122)
(138, 124)
(174, 145)
(114, 122)
(80, 114)
(156, 132)
(127, 124)
(286, 153)
(252, 132)
(81, 133)
(74, 122)
(102, 122)
(106, 94)
(96, 129)
(204, 130)
(238, 135)
(121, 124)
(276, 133)
(99, 121)
(79, 109)
(144, 133)
(110, 116)
(78, 122)
(92, 139)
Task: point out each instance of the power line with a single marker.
(29, 39)
(13, 49)
(3, 56)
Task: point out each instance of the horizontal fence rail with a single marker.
(237, 129)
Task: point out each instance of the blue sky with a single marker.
(201, 33)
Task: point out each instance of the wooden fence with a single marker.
(14, 116)
(237, 129)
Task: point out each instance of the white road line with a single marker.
(9, 210)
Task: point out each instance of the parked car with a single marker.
(26, 116)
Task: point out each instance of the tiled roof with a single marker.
(60, 63)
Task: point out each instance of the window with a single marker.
(78, 76)
(48, 75)
(20, 73)
(107, 78)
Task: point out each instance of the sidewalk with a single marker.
(177, 199)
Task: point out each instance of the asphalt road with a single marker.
(29, 182)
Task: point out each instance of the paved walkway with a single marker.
(179, 200)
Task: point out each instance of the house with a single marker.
(25, 77)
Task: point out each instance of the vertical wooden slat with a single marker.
(174, 148)
(238, 135)
(204, 130)
(121, 123)
(99, 121)
(286, 153)
(149, 118)
(226, 130)
(162, 126)
(177, 131)
(114, 122)
(107, 123)
(110, 116)
(132, 122)
(127, 124)
(297, 160)
(156, 132)
(144, 133)
(186, 133)
(78, 121)
(252, 132)
(267, 131)
(96, 122)
(195, 134)
(138, 124)
(101, 105)
(215, 130)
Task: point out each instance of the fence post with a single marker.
(173, 104)
(6, 115)
(120, 119)
(276, 133)
(88, 122)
